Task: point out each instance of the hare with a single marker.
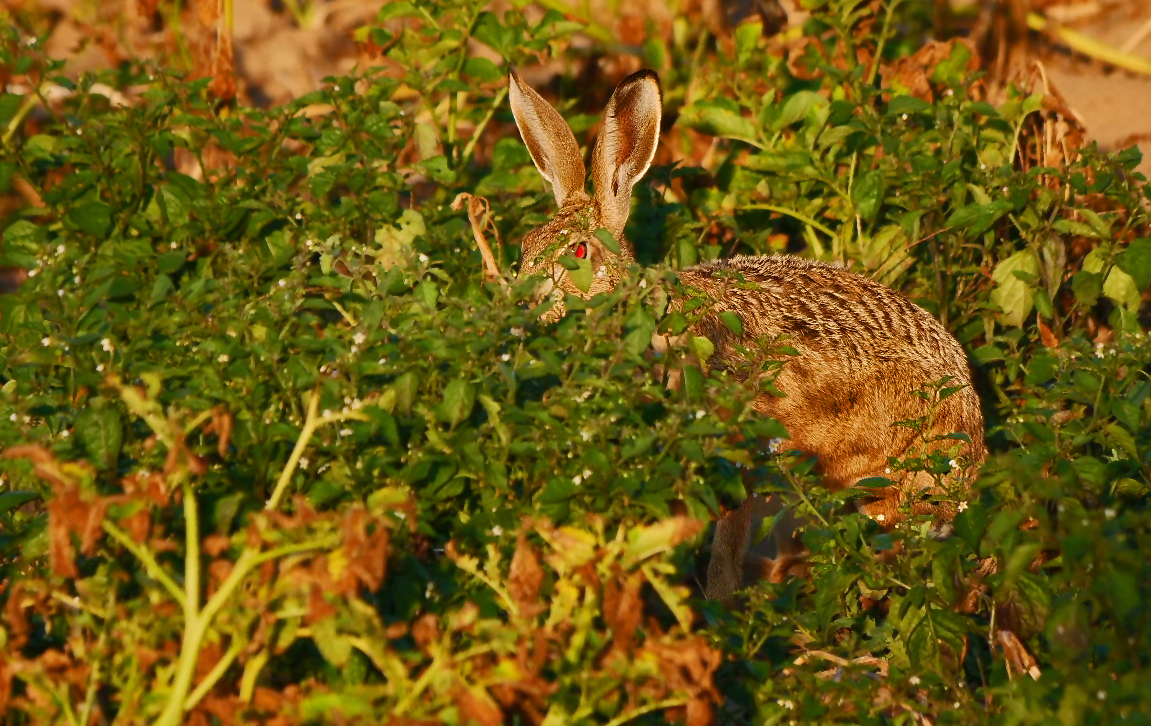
(862, 350)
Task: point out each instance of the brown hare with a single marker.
(862, 349)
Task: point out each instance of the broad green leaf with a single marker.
(938, 640)
(12, 500)
(717, 119)
(1120, 287)
(1135, 260)
(92, 217)
(867, 194)
(100, 430)
(459, 398)
(582, 274)
(1013, 294)
(796, 107)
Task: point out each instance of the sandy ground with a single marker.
(1114, 105)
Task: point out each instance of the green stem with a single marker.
(640, 711)
(148, 559)
(214, 675)
(793, 214)
(311, 423)
(26, 107)
(194, 623)
(497, 102)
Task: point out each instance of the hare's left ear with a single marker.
(625, 145)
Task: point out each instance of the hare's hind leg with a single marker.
(739, 559)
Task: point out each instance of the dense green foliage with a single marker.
(271, 446)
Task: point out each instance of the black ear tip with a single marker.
(646, 74)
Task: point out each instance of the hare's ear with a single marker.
(548, 138)
(625, 145)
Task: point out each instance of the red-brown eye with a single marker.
(580, 250)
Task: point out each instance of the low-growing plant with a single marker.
(274, 449)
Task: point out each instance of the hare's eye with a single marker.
(580, 250)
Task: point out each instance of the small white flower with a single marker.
(786, 703)
(60, 249)
(65, 433)
(586, 473)
(173, 246)
(381, 361)
(881, 518)
(345, 432)
(106, 344)
(76, 279)
(914, 680)
(904, 117)
(423, 259)
(887, 470)
(100, 368)
(59, 293)
(983, 167)
(700, 413)
(34, 272)
(953, 464)
(12, 417)
(400, 516)
(359, 338)
(962, 506)
(309, 243)
(283, 283)
(506, 357)
(497, 531)
(585, 435)
(577, 480)
(775, 445)
(642, 284)
(518, 332)
(1109, 513)
(304, 462)
(222, 358)
(949, 92)
(45, 342)
(1101, 695)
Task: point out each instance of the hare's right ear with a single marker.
(625, 145)
(548, 138)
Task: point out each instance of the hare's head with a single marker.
(567, 253)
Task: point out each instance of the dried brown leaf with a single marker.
(525, 578)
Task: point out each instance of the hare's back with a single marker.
(827, 312)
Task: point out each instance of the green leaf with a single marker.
(867, 194)
(608, 240)
(732, 322)
(482, 70)
(938, 640)
(100, 430)
(12, 500)
(717, 118)
(582, 274)
(459, 399)
(907, 104)
(1120, 287)
(797, 106)
(94, 218)
(1087, 286)
(1012, 293)
(1135, 260)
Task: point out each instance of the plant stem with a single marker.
(148, 559)
(793, 214)
(214, 675)
(311, 423)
